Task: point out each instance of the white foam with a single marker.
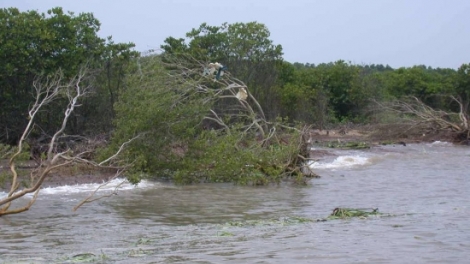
(440, 144)
(113, 185)
(342, 162)
(119, 184)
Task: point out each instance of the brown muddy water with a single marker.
(424, 190)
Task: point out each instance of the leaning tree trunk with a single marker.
(231, 99)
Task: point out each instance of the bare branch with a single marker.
(462, 115)
(218, 120)
(121, 148)
(74, 91)
(427, 116)
(47, 90)
(91, 197)
(234, 109)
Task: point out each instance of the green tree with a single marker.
(331, 88)
(33, 44)
(247, 51)
(97, 114)
(161, 111)
(462, 86)
(167, 106)
(298, 90)
(427, 84)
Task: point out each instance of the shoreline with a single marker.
(67, 175)
(74, 175)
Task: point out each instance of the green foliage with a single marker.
(38, 44)
(167, 113)
(418, 81)
(312, 93)
(247, 51)
(226, 43)
(462, 86)
(234, 158)
(97, 112)
(35, 43)
(159, 110)
(6, 151)
(321, 94)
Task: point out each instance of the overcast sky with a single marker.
(396, 32)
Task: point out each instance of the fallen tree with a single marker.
(47, 90)
(235, 113)
(416, 115)
(204, 125)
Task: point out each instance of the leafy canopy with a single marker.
(33, 44)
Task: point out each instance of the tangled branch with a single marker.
(235, 111)
(435, 119)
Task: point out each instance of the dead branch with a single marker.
(462, 115)
(74, 91)
(236, 110)
(121, 148)
(189, 70)
(92, 198)
(47, 90)
(218, 120)
(429, 117)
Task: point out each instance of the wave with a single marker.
(342, 162)
(440, 144)
(116, 184)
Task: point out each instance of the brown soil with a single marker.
(375, 135)
(381, 134)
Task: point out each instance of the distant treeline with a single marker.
(341, 91)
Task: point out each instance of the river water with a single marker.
(423, 189)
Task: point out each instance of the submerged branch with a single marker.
(91, 198)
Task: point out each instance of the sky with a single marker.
(400, 33)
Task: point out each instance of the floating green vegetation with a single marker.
(224, 234)
(342, 213)
(138, 252)
(338, 213)
(144, 246)
(284, 221)
(85, 258)
(143, 241)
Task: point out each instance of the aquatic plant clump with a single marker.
(338, 213)
(283, 221)
(342, 213)
(85, 258)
